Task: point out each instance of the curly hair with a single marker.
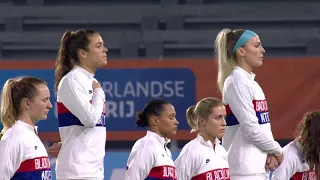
(308, 133)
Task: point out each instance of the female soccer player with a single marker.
(150, 158)
(301, 156)
(248, 138)
(24, 101)
(204, 157)
(80, 101)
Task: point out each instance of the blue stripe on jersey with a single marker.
(68, 119)
(33, 175)
(263, 118)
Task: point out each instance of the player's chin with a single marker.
(259, 63)
(220, 135)
(44, 117)
(174, 132)
(104, 62)
(101, 64)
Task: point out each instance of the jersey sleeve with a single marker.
(73, 96)
(287, 168)
(140, 162)
(11, 156)
(185, 165)
(240, 97)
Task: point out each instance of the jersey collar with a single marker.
(251, 75)
(25, 125)
(206, 143)
(162, 140)
(78, 68)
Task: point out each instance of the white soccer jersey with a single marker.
(23, 155)
(150, 159)
(293, 166)
(248, 137)
(199, 161)
(81, 115)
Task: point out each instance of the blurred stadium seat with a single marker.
(157, 28)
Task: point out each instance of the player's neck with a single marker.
(207, 137)
(26, 118)
(89, 69)
(156, 130)
(245, 67)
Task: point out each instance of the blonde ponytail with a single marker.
(190, 115)
(226, 62)
(8, 112)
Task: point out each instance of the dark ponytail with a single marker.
(142, 120)
(64, 62)
(153, 108)
(67, 56)
(307, 133)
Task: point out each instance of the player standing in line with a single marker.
(204, 157)
(81, 108)
(301, 156)
(248, 138)
(24, 101)
(150, 159)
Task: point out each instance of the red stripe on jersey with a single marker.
(39, 163)
(163, 172)
(228, 110)
(309, 175)
(217, 174)
(62, 109)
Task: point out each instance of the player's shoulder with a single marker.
(14, 138)
(292, 155)
(237, 80)
(71, 80)
(192, 148)
(144, 143)
(291, 148)
(71, 77)
(191, 153)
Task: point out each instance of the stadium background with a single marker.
(164, 48)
